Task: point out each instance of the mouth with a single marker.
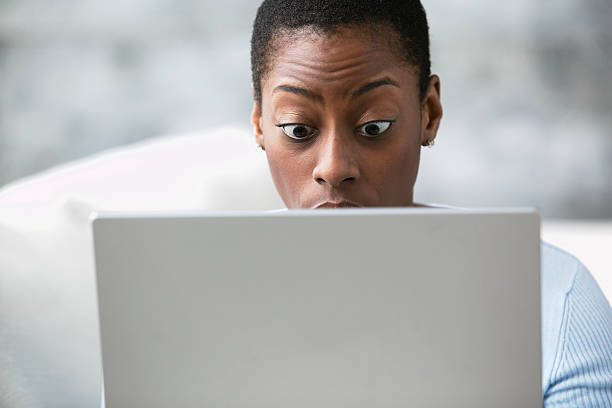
(338, 204)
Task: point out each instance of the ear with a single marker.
(431, 111)
(257, 122)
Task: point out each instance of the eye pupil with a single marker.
(300, 131)
(372, 129)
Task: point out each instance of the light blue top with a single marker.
(576, 334)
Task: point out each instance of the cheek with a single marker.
(404, 158)
(289, 170)
(395, 169)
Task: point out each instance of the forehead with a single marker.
(340, 58)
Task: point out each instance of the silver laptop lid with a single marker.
(320, 308)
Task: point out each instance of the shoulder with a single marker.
(558, 273)
(576, 333)
(559, 270)
(557, 257)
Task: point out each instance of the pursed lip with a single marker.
(336, 204)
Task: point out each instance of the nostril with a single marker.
(322, 180)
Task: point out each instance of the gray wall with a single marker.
(526, 88)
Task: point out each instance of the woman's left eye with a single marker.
(374, 128)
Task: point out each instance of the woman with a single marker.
(343, 102)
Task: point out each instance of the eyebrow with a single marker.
(298, 91)
(309, 94)
(374, 84)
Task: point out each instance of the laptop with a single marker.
(329, 308)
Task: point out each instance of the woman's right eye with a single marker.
(298, 131)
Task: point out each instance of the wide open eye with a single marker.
(298, 131)
(375, 128)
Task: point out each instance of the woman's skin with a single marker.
(355, 105)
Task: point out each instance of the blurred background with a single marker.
(526, 87)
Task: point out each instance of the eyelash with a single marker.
(303, 140)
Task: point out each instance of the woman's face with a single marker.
(341, 120)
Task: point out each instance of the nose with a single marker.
(336, 163)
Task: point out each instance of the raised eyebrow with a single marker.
(374, 84)
(298, 91)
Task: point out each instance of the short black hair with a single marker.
(406, 17)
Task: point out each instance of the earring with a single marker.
(431, 143)
(260, 147)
